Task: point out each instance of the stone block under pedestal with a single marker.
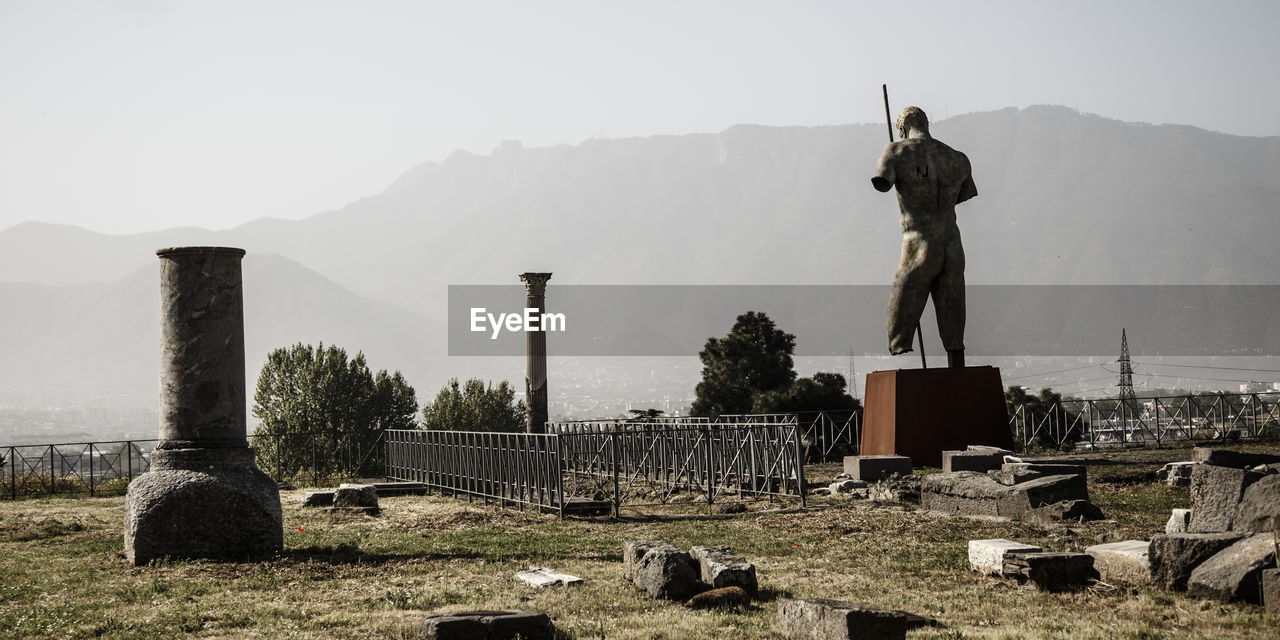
(971, 461)
(919, 413)
(876, 468)
(202, 503)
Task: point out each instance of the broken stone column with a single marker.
(535, 367)
(203, 497)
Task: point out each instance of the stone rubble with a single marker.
(837, 620)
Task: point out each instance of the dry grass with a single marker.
(63, 574)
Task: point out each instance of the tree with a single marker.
(645, 415)
(474, 406)
(323, 412)
(824, 391)
(751, 370)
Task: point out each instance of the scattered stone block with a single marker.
(1122, 563)
(632, 552)
(718, 567)
(1051, 571)
(1271, 590)
(1064, 511)
(873, 468)
(1045, 468)
(356, 495)
(987, 556)
(488, 625)
(719, 598)
(1173, 556)
(896, 488)
(953, 461)
(1178, 522)
(318, 499)
(836, 620)
(1235, 572)
(544, 577)
(972, 493)
(1236, 459)
(666, 572)
(1215, 492)
(1259, 508)
(847, 486)
(1176, 474)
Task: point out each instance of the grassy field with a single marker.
(63, 572)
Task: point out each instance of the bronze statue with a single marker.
(932, 178)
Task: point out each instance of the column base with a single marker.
(202, 503)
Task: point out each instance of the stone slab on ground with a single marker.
(719, 598)
(1122, 563)
(987, 556)
(1259, 508)
(318, 499)
(953, 461)
(719, 567)
(1234, 573)
(1178, 522)
(972, 493)
(667, 572)
(1215, 493)
(488, 625)
(1227, 458)
(355, 495)
(1064, 511)
(873, 468)
(1054, 571)
(837, 620)
(544, 577)
(1271, 590)
(583, 506)
(1174, 556)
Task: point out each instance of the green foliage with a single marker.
(754, 357)
(825, 391)
(750, 370)
(474, 406)
(323, 412)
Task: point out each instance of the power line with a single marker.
(1046, 373)
(1195, 366)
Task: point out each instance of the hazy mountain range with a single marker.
(1064, 198)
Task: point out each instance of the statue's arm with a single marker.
(884, 177)
(967, 188)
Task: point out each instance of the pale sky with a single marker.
(138, 115)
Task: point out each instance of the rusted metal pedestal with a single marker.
(919, 413)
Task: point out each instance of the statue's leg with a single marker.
(911, 287)
(948, 301)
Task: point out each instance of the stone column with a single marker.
(535, 349)
(203, 496)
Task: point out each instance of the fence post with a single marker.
(53, 477)
(91, 448)
(13, 475)
(615, 444)
(800, 470)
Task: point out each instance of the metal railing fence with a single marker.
(615, 463)
(1152, 420)
(520, 469)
